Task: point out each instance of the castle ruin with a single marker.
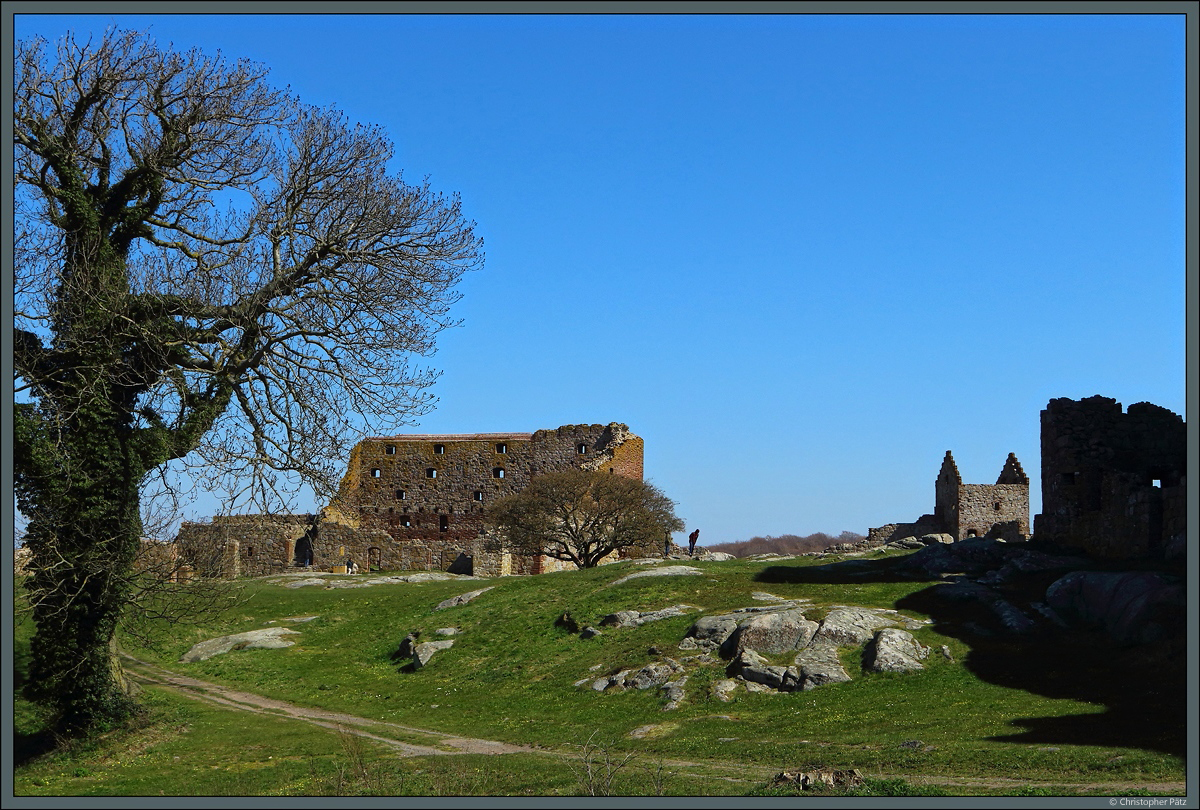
(415, 502)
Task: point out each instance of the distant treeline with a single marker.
(785, 544)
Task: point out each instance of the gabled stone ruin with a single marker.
(999, 510)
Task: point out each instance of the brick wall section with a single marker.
(999, 510)
(1099, 468)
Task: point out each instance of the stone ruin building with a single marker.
(999, 510)
(414, 502)
(1113, 482)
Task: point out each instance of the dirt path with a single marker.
(450, 744)
(446, 744)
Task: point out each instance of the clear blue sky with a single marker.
(802, 256)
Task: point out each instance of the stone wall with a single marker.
(1113, 482)
(242, 545)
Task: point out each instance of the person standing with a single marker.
(692, 538)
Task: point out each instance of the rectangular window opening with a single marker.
(479, 496)
(581, 449)
(443, 523)
(401, 495)
(439, 449)
(430, 473)
(391, 450)
(375, 473)
(498, 472)
(502, 448)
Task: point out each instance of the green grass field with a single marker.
(1000, 716)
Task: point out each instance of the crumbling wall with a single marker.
(242, 545)
(1113, 482)
(926, 524)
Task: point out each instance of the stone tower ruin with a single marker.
(1113, 482)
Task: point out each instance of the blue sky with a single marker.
(801, 255)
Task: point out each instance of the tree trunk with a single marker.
(83, 534)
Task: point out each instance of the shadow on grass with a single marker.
(1143, 689)
(845, 572)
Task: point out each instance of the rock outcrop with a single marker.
(461, 599)
(270, 638)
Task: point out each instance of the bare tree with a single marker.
(208, 271)
(581, 517)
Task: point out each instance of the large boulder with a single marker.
(715, 630)
(425, 650)
(270, 638)
(849, 626)
(774, 633)
(1131, 607)
(818, 664)
(895, 650)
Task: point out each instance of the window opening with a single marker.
(401, 494)
(581, 448)
(405, 521)
(498, 472)
(443, 523)
(430, 473)
(249, 551)
(996, 506)
(375, 473)
(391, 450)
(439, 449)
(502, 448)
(479, 496)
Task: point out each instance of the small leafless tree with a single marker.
(207, 272)
(597, 766)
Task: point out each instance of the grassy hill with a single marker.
(512, 676)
